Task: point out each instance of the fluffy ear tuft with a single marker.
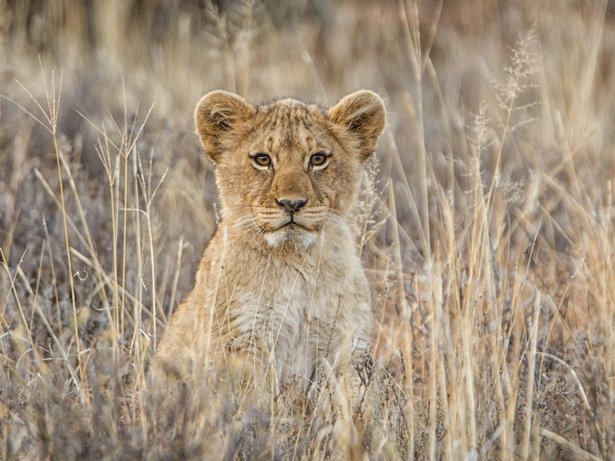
(362, 114)
(217, 113)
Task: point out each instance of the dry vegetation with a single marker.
(487, 224)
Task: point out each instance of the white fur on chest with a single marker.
(293, 309)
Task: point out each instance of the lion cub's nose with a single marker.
(291, 206)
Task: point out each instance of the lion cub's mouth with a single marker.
(291, 230)
(299, 228)
(292, 223)
(272, 220)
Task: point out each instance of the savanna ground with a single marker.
(486, 224)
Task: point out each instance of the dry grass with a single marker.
(486, 228)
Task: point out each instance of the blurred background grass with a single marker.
(491, 256)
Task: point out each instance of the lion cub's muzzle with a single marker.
(291, 207)
(293, 219)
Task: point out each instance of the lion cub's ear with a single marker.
(216, 115)
(362, 114)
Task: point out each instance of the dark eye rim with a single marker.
(325, 156)
(256, 158)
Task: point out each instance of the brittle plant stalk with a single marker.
(51, 117)
(406, 330)
(412, 34)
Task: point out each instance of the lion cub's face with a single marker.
(286, 169)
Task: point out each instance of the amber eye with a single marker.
(318, 159)
(262, 159)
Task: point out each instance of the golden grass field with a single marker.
(486, 223)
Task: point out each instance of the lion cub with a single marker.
(280, 284)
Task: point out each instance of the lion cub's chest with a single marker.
(277, 301)
(283, 311)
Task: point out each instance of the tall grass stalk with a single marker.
(406, 330)
(50, 123)
(410, 20)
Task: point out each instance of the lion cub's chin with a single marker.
(301, 239)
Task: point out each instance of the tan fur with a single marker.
(284, 296)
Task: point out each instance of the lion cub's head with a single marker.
(286, 169)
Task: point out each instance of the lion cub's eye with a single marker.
(318, 159)
(261, 159)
